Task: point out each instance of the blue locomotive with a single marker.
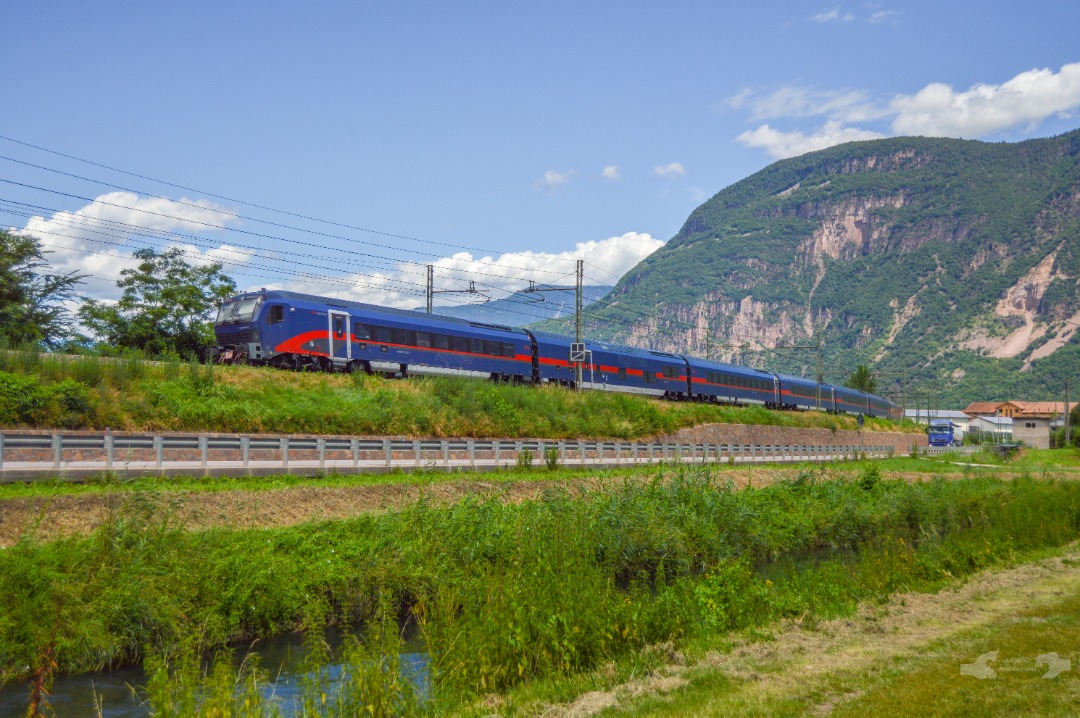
(302, 332)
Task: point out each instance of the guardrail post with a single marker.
(56, 450)
(203, 450)
(618, 453)
(517, 450)
(1, 451)
(159, 450)
(354, 444)
(389, 451)
(562, 453)
(542, 451)
(650, 446)
(497, 447)
(108, 452)
(321, 444)
(284, 451)
(416, 450)
(471, 443)
(634, 452)
(245, 449)
(581, 451)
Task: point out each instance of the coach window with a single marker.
(477, 346)
(383, 334)
(622, 373)
(650, 377)
(423, 339)
(508, 350)
(361, 331)
(277, 313)
(339, 328)
(442, 341)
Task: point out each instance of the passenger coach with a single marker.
(304, 332)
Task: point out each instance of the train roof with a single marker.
(725, 366)
(611, 347)
(409, 314)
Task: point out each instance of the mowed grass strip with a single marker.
(900, 657)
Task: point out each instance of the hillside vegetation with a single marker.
(89, 392)
(954, 264)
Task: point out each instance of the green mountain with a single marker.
(951, 264)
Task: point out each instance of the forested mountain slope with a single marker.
(953, 262)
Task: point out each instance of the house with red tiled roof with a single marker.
(983, 408)
(1031, 419)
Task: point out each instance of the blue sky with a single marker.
(556, 129)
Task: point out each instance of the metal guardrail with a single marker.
(136, 454)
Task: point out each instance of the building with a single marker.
(959, 419)
(1031, 420)
(996, 429)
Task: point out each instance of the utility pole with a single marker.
(430, 285)
(903, 394)
(431, 291)
(820, 370)
(1068, 428)
(818, 345)
(578, 320)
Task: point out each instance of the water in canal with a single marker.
(119, 692)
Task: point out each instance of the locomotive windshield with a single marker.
(238, 310)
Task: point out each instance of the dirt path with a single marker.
(66, 514)
(802, 663)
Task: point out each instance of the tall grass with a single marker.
(505, 594)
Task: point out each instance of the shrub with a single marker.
(551, 456)
(870, 478)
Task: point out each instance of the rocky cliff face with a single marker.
(954, 263)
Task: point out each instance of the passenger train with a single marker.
(304, 332)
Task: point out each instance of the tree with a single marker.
(32, 300)
(862, 379)
(166, 305)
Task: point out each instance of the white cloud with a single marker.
(936, 110)
(611, 172)
(673, 169)
(94, 239)
(881, 16)
(789, 144)
(1025, 100)
(501, 275)
(793, 101)
(833, 15)
(553, 179)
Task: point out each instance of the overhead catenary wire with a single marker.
(262, 235)
(139, 230)
(234, 200)
(227, 228)
(368, 256)
(281, 225)
(408, 288)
